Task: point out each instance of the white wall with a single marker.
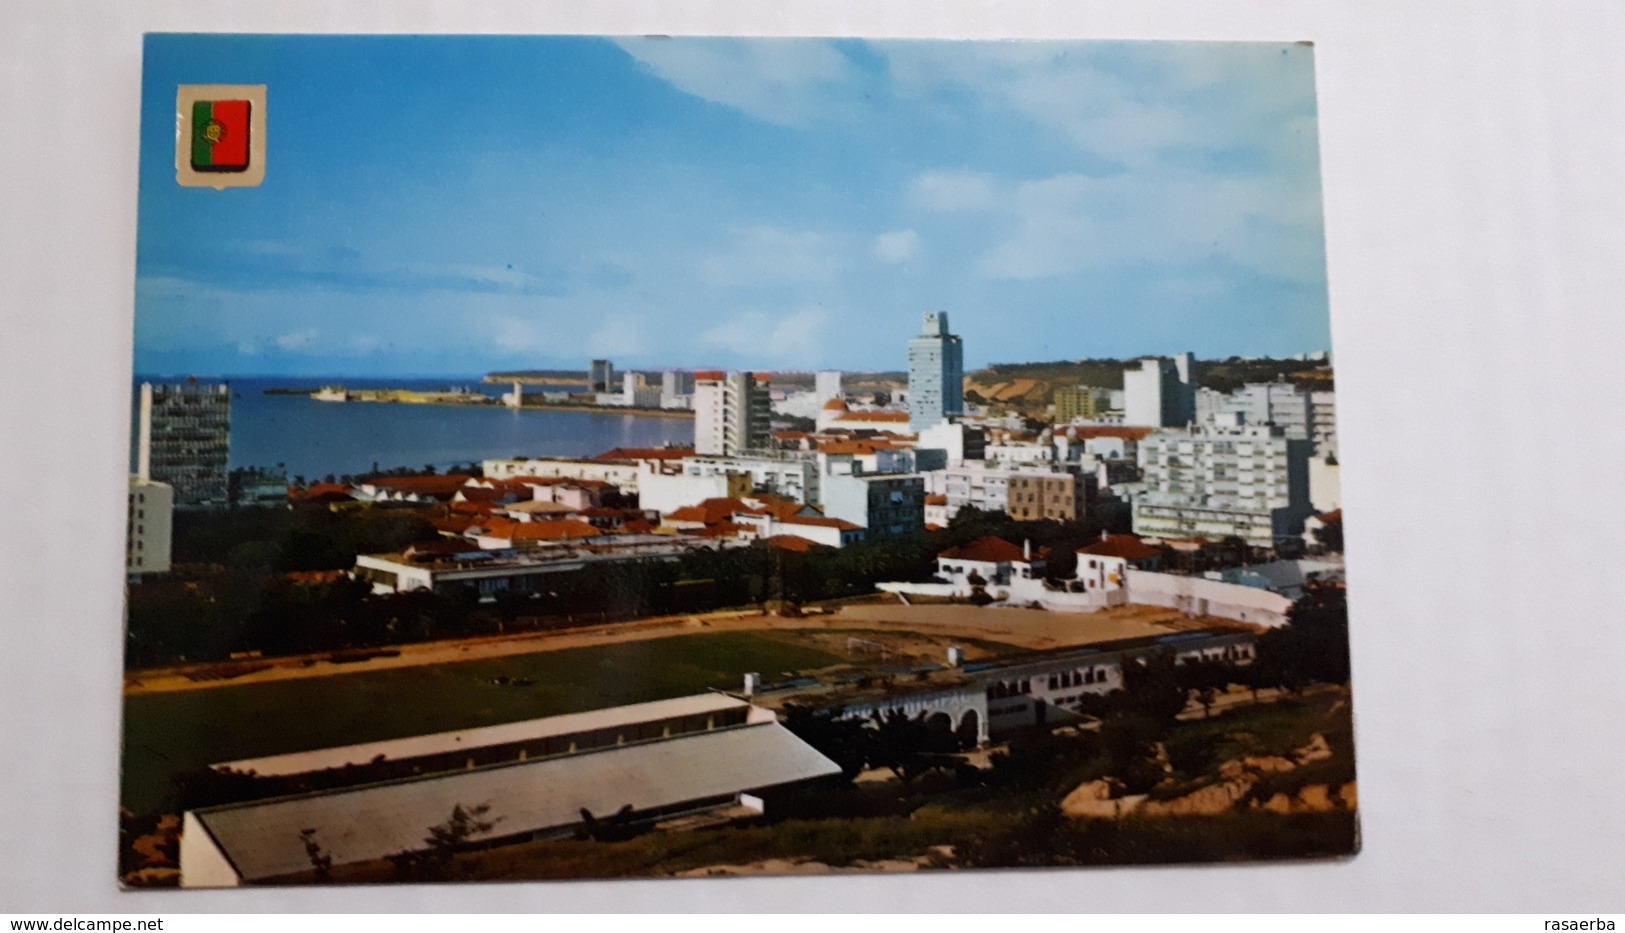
(203, 865)
(1208, 597)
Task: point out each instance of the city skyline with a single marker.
(747, 204)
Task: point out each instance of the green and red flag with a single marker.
(220, 135)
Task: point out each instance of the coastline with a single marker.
(414, 397)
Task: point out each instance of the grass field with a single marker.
(166, 734)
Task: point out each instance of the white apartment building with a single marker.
(1299, 414)
(636, 392)
(827, 385)
(150, 518)
(1160, 393)
(957, 442)
(1325, 483)
(974, 484)
(883, 503)
(792, 475)
(1323, 422)
(1231, 479)
(732, 412)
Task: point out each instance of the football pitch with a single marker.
(166, 734)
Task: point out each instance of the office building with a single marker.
(936, 374)
(184, 441)
(601, 377)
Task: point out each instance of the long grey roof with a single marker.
(262, 840)
(481, 737)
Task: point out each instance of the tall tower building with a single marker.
(601, 376)
(827, 385)
(184, 440)
(936, 374)
(1161, 393)
(732, 413)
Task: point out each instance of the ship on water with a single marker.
(331, 394)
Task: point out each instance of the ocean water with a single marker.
(314, 439)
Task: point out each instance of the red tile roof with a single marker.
(885, 416)
(856, 448)
(794, 543)
(819, 521)
(443, 487)
(646, 453)
(473, 508)
(454, 524)
(1334, 517)
(712, 511)
(1127, 547)
(992, 550)
(561, 529)
(1087, 431)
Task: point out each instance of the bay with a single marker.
(315, 439)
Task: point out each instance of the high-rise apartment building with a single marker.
(936, 374)
(732, 413)
(1250, 481)
(184, 441)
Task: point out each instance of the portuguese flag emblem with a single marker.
(220, 135)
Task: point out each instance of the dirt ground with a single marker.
(900, 631)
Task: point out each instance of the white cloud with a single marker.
(619, 333)
(954, 191)
(1131, 103)
(772, 256)
(898, 246)
(794, 338)
(297, 340)
(1065, 224)
(782, 81)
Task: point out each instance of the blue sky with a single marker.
(451, 205)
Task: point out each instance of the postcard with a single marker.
(592, 457)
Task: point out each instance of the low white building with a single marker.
(488, 572)
(1104, 565)
(667, 492)
(653, 773)
(622, 474)
(990, 563)
(830, 532)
